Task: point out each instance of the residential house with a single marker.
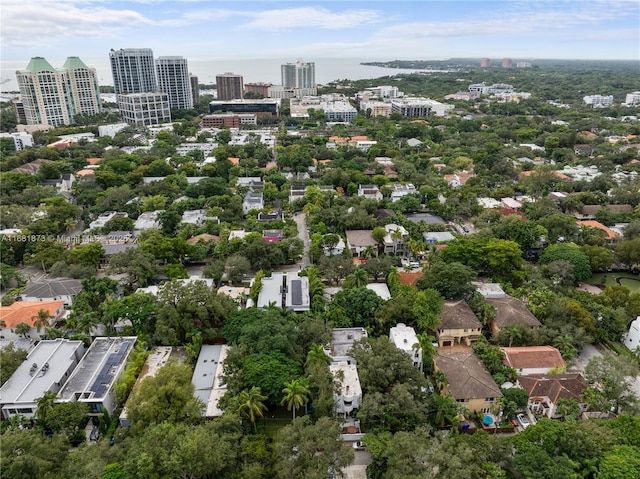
(528, 360)
(610, 236)
(458, 179)
(399, 190)
(105, 217)
(61, 289)
(46, 368)
(337, 250)
(370, 191)
(147, 220)
(511, 311)
(208, 378)
(468, 381)
(546, 390)
(286, 291)
(28, 312)
(405, 339)
(435, 237)
(589, 211)
(93, 380)
(583, 149)
(632, 337)
(253, 183)
(381, 290)
(252, 201)
(458, 326)
(359, 240)
(269, 217)
(395, 239)
(296, 192)
(198, 217)
(342, 340)
(349, 394)
(272, 236)
(155, 289)
(204, 237)
(410, 279)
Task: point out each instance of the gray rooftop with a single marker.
(342, 340)
(52, 360)
(207, 377)
(51, 288)
(99, 368)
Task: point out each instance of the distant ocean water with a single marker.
(258, 70)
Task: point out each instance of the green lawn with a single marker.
(276, 420)
(609, 279)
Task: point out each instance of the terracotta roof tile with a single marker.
(529, 357)
(26, 311)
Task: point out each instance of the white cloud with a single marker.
(287, 18)
(29, 23)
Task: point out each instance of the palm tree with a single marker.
(316, 357)
(446, 410)
(414, 247)
(296, 395)
(565, 344)
(41, 319)
(23, 329)
(45, 406)
(370, 252)
(425, 342)
(250, 405)
(358, 279)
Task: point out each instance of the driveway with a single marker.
(301, 222)
(358, 469)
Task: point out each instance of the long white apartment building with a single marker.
(92, 382)
(598, 101)
(46, 368)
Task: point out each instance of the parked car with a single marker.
(523, 420)
(358, 446)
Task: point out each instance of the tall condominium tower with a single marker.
(195, 88)
(173, 79)
(133, 70)
(299, 74)
(230, 86)
(134, 77)
(54, 96)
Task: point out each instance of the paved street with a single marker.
(303, 234)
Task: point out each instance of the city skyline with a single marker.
(381, 30)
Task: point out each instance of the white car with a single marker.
(358, 446)
(523, 420)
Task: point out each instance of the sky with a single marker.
(377, 30)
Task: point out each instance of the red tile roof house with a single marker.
(546, 390)
(27, 312)
(529, 360)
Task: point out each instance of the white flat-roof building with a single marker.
(632, 338)
(598, 101)
(150, 219)
(404, 337)
(381, 289)
(349, 396)
(46, 368)
(342, 340)
(399, 190)
(207, 378)
(104, 217)
(93, 379)
(112, 129)
(434, 237)
(285, 290)
(20, 139)
(632, 98)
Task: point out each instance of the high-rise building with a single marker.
(229, 86)
(133, 70)
(173, 79)
(134, 77)
(54, 96)
(299, 74)
(195, 88)
(485, 62)
(507, 63)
